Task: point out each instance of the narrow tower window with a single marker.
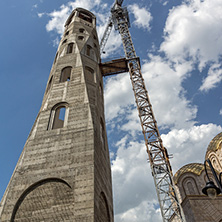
(70, 48)
(66, 74)
(67, 33)
(59, 117)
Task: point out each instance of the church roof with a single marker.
(215, 144)
(195, 168)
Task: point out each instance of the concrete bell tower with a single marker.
(63, 173)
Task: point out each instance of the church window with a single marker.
(66, 74)
(67, 33)
(70, 48)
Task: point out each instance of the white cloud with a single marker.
(131, 175)
(35, 6)
(86, 4)
(221, 112)
(59, 17)
(193, 31)
(213, 78)
(40, 14)
(165, 3)
(164, 83)
(189, 145)
(142, 15)
(144, 212)
(118, 96)
(114, 43)
(131, 171)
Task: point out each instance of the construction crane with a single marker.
(158, 157)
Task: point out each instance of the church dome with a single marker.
(195, 168)
(215, 144)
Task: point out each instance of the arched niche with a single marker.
(50, 199)
(70, 48)
(215, 161)
(66, 74)
(59, 115)
(190, 186)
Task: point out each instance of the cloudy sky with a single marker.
(180, 47)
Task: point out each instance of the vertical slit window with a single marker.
(70, 48)
(66, 74)
(59, 117)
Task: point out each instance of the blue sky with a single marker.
(179, 44)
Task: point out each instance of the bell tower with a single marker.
(63, 173)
